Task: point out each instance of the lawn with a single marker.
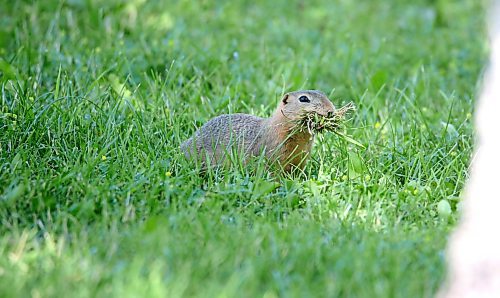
(96, 198)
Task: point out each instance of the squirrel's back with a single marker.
(216, 137)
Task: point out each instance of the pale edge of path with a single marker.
(474, 248)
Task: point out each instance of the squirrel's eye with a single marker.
(304, 98)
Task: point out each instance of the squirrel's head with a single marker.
(294, 105)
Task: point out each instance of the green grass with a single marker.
(96, 198)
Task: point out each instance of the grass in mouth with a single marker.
(316, 123)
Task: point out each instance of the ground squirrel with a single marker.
(278, 137)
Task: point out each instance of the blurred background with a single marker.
(254, 49)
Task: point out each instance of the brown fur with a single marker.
(276, 136)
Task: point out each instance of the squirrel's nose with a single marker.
(330, 114)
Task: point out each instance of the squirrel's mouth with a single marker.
(317, 123)
(327, 114)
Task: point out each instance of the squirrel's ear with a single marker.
(285, 99)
